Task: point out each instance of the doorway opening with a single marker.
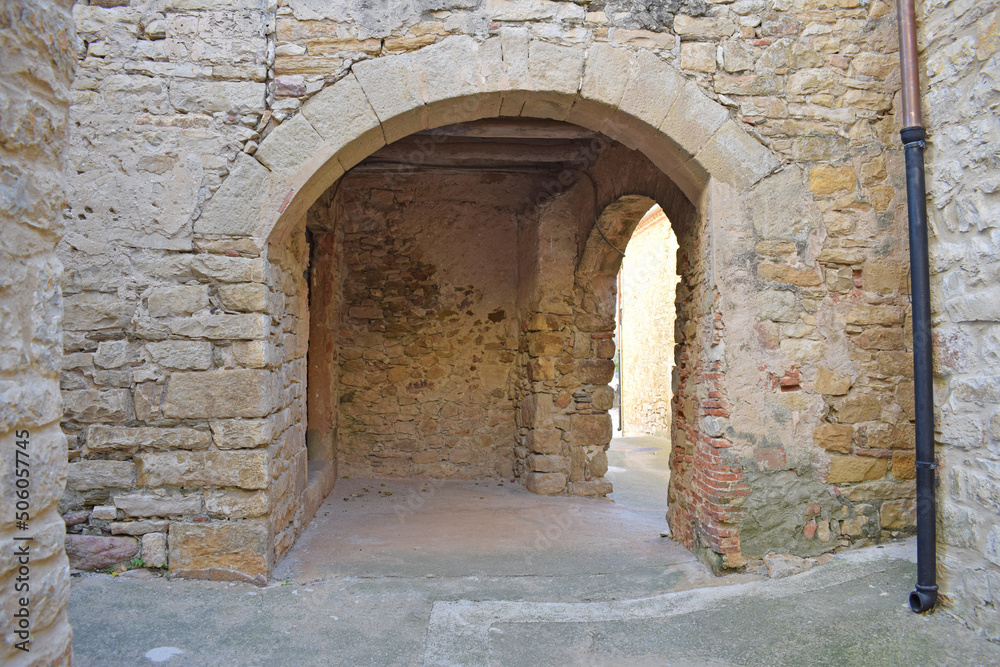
(645, 313)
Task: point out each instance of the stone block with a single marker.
(888, 436)
(597, 464)
(736, 158)
(220, 394)
(692, 119)
(225, 551)
(603, 398)
(548, 463)
(544, 440)
(778, 306)
(154, 549)
(848, 469)
(242, 433)
(545, 483)
(104, 512)
(235, 207)
(863, 315)
(833, 384)
(225, 269)
(597, 487)
(703, 26)
(96, 552)
(978, 307)
(590, 430)
(605, 74)
(904, 465)
(858, 408)
(107, 439)
(115, 354)
(139, 527)
(447, 69)
(290, 145)
(834, 437)
(899, 514)
(256, 354)
(177, 300)
(90, 311)
(595, 371)
(243, 469)
(826, 179)
(698, 56)
(199, 96)
(245, 297)
(544, 344)
(181, 355)
(341, 113)
(147, 505)
(235, 504)
(652, 87)
(554, 68)
(222, 327)
(90, 475)
(783, 273)
(392, 90)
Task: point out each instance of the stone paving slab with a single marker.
(363, 588)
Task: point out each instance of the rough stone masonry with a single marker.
(36, 41)
(207, 144)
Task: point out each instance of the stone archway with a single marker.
(707, 158)
(769, 416)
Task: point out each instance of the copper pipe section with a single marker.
(908, 65)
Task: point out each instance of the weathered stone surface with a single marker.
(214, 394)
(90, 406)
(548, 463)
(226, 96)
(94, 552)
(544, 440)
(222, 327)
(177, 300)
(829, 382)
(139, 527)
(181, 355)
(154, 549)
(825, 180)
(226, 551)
(104, 439)
(234, 504)
(235, 208)
(858, 408)
(89, 475)
(545, 483)
(597, 487)
(247, 470)
(834, 437)
(847, 469)
(242, 433)
(248, 298)
(591, 429)
(289, 146)
(898, 514)
(147, 505)
(780, 566)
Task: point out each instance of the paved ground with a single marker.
(476, 573)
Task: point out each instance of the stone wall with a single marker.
(202, 134)
(961, 71)
(429, 323)
(648, 279)
(36, 40)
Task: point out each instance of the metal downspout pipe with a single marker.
(913, 135)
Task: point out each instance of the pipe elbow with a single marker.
(923, 599)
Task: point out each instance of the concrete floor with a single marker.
(409, 572)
